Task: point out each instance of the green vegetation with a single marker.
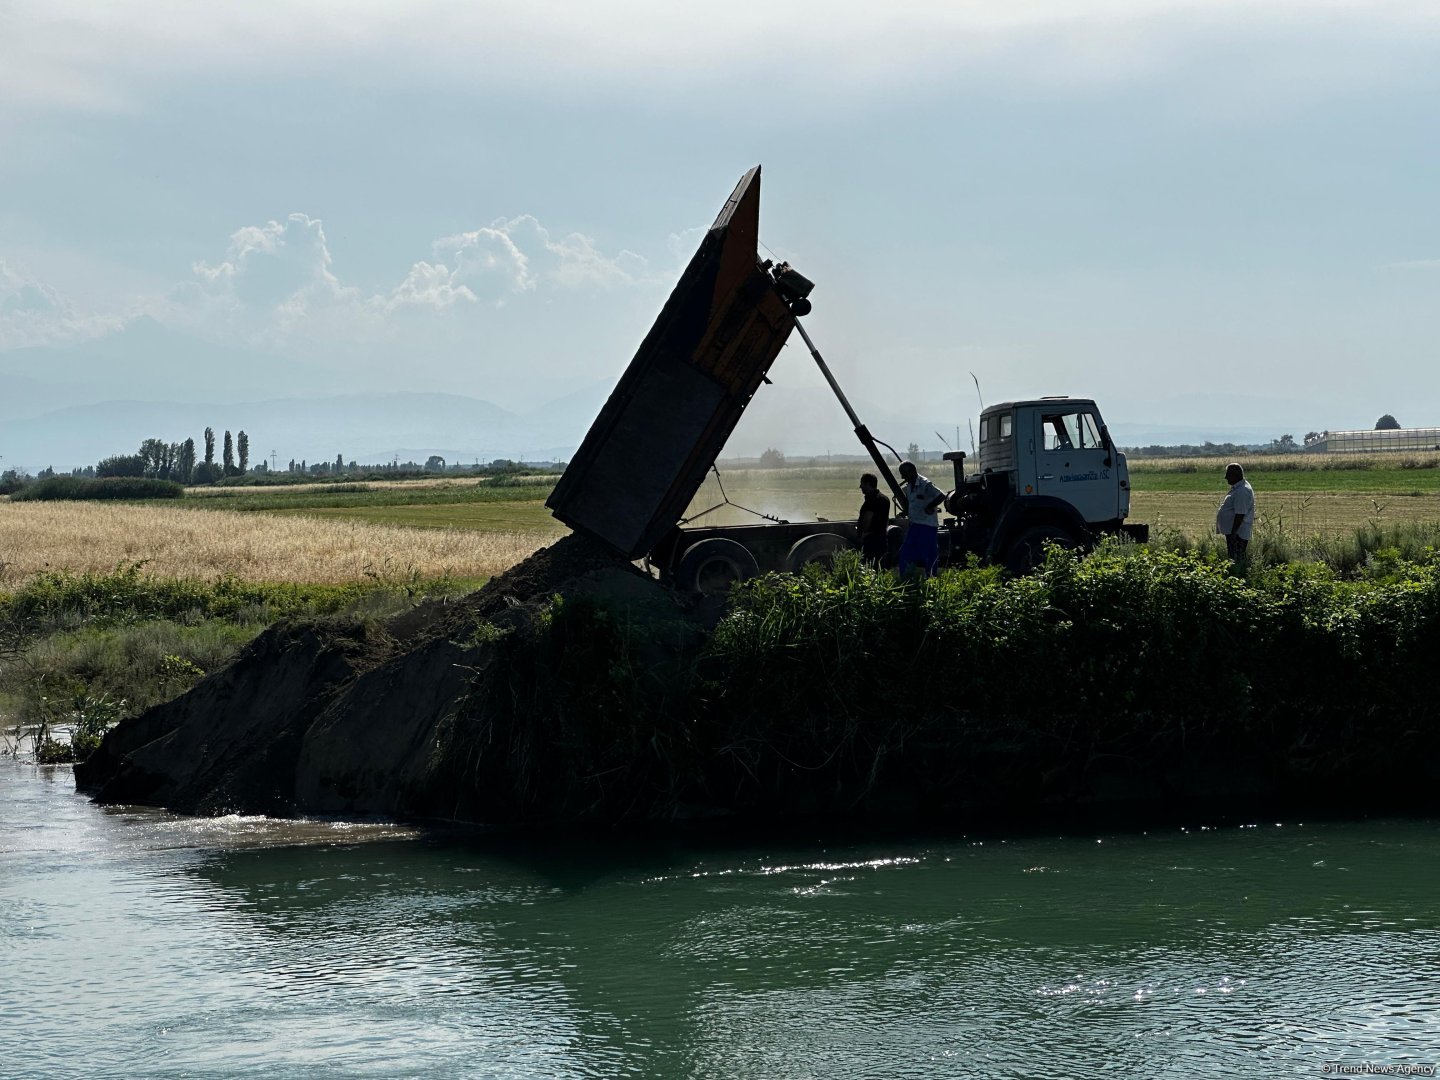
(1167, 671)
(78, 652)
(115, 487)
(1357, 555)
(128, 595)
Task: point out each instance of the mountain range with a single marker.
(71, 405)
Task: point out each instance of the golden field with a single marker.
(397, 529)
(175, 542)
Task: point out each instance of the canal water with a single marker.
(134, 943)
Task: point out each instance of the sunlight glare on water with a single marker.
(139, 943)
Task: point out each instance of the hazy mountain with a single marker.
(147, 361)
(72, 405)
(362, 427)
(572, 414)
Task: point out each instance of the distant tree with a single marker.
(1312, 436)
(242, 448)
(12, 480)
(772, 459)
(1387, 423)
(1285, 443)
(339, 463)
(120, 465)
(209, 446)
(45, 473)
(912, 451)
(185, 462)
(435, 463)
(292, 465)
(152, 453)
(228, 458)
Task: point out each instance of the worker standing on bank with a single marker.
(873, 520)
(1235, 519)
(922, 539)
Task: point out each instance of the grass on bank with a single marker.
(820, 692)
(79, 652)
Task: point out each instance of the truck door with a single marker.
(1071, 462)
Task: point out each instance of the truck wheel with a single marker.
(713, 565)
(1027, 551)
(821, 548)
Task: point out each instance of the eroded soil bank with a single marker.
(574, 691)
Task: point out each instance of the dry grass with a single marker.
(175, 542)
(1292, 462)
(1327, 514)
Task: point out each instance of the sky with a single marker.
(1219, 213)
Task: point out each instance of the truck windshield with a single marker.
(1070, 431)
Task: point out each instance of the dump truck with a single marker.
(1047, 470)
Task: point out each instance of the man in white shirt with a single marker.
(1235, 519)
(922, 538)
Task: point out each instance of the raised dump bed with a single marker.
(667, 420)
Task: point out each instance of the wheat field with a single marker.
(175, 542)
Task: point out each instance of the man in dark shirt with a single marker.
(874, 517)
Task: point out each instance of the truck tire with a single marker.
(1027, 550)
(818, 547)
(712, 566)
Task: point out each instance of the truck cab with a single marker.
(1059, 447)
(1048, 471)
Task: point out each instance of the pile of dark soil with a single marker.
(343, 716)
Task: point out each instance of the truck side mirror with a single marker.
(1109, 446)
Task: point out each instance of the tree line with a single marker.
(160, 460)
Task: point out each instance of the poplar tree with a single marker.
(242, 447)
(186, 463)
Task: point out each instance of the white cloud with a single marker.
(77, 54)
(33, 312)
(277, 287)
(429, 285)
(282, 266)
(519, 255)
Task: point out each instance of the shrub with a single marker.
(113, 487)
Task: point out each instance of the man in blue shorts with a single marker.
(922, 540)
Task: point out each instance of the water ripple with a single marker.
(135, 943)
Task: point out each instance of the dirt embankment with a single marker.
(575, 692)
(347, 716)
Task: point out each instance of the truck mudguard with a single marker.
(1027, 510)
